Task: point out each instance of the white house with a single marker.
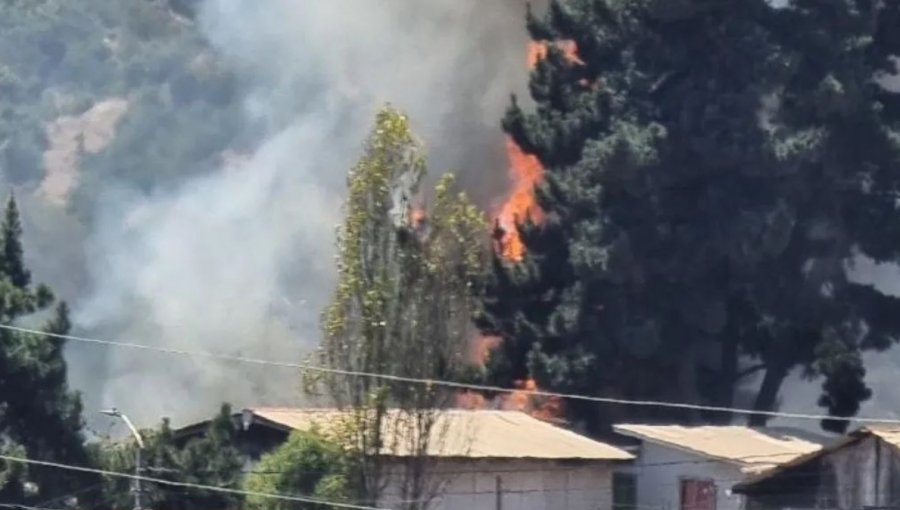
(694, 468)
(485, 459)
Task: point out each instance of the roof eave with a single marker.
(675, 446)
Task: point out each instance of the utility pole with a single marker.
(138, 490)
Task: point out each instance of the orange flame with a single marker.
(481, 348)
(471, 400)
(526, 172)
(417, 216)
(537, 51)
(521, 399)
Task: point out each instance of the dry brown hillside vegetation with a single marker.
(68, 137)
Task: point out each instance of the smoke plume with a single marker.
(239, 260)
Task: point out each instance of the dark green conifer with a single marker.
(712, 168)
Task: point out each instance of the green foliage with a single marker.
(14, 263)
(307, 465)
(712, 169)
(212, 459)
(407, 286)
(39, 417)
(60, 57)
(391, 266)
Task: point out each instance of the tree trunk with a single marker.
(687, 380)
(728, 376)
(768, 393)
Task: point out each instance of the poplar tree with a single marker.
(406, 292)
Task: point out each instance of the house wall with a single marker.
(522, 484)
(862, 474)
(660, 470)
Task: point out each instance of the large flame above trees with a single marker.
(525, 171)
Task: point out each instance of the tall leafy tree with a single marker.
(407, 284)
(40, 418)
(703, 197)
(307, 464)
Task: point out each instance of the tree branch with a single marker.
(749, 371)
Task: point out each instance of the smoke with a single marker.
(240, 260)
(799, 395)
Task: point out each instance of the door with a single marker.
(698, 495)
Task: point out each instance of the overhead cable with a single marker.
(447, 384)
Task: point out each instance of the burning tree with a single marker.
(403, 307)
(710, 169)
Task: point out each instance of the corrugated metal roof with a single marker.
(888, 433)
(751, 449)
(463, 433)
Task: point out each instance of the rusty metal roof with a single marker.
(460, 433)
(751, 449)
(888, 433)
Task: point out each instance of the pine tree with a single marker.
(213, 459)
(703, 195)
(13, 254)
(40, 418)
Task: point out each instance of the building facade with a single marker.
(858, 472)
(484, 459)
(694, 468)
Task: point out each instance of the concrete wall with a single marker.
(523, 485)
(660, 470)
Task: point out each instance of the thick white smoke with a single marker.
(240, 261)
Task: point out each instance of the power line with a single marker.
(448, 384)
(16, 506)
(44, 504)
(213, 488)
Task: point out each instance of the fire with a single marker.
(471, 400)
(520, 399)
(543, 408)
(525, 172)
(417, 216)
(482, 347)
(537, 51)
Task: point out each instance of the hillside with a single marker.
(167, 155)
(62, 63)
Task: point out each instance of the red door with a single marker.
(698, 495)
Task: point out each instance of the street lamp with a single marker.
(137, 456)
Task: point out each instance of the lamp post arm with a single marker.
(134, 431)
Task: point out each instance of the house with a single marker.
(861, 470)
(694, 468)
(486, 459)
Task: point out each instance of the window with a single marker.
(624, 491)
(698, 495)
